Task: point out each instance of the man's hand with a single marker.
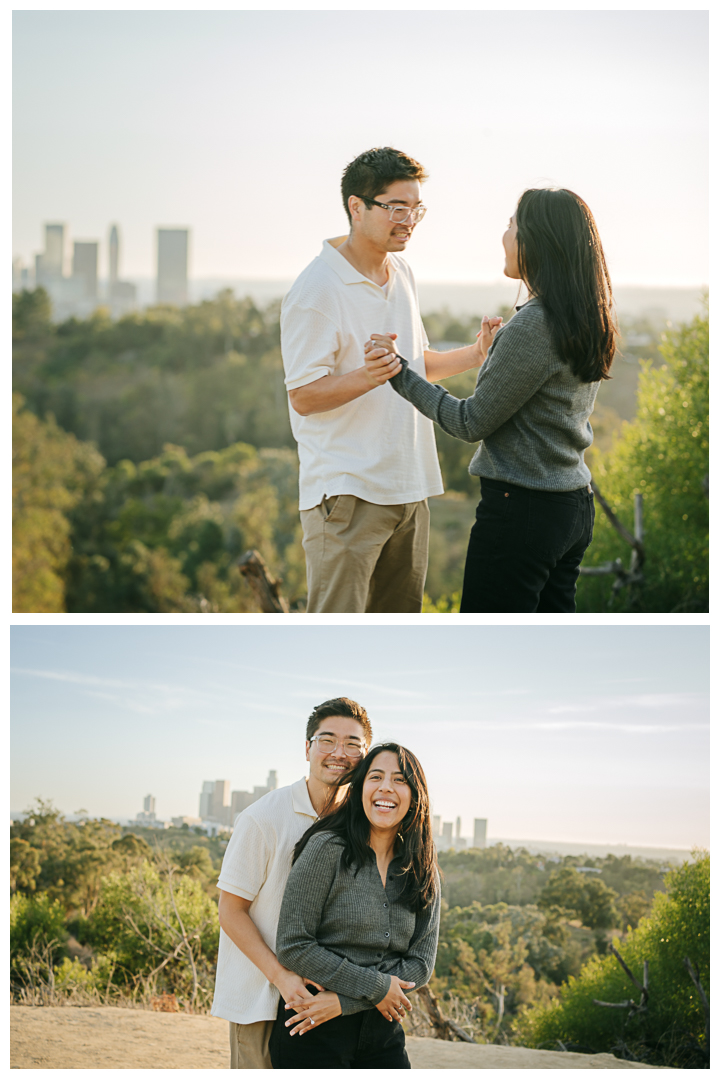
(293, 987)
(381, 361)
(485, 338)
(309, 1014)
(395, 1005)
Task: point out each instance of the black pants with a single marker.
(364, 1040)
(525, 548)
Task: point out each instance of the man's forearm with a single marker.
(441, 365)
(243, 932)
(330, 392)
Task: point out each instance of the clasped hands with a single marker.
(381, 359)
(311, 1011)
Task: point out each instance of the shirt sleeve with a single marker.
(309, 343)
(517, 365)
(246, 860)
(306, 893)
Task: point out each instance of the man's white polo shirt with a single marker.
(256, 866)
(377, 447)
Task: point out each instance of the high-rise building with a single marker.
(149, 804)
(206, 798)
(240, 800)
(113, 249)
(480, 833)
(172, 266)
(447, 834)
(458, 828)
(84, 267)
(436, 825)
(54, 254)
(220, 805)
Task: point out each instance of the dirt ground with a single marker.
(107, 1038)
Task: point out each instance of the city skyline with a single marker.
(600, 737)
(214, 152)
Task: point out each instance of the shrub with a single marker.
(672, 1030)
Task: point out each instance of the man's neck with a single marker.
(320, 793)
(368, 260)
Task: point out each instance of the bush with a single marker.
(36, 923)
(663, 454)
(672, 1030)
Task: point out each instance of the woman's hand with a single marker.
(395, 1005)
(485, 338)
(381, 361)
(308, 1014)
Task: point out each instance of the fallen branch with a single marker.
(442, 1024)
(265, 587)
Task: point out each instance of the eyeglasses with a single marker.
(398, 214)
(328, 743)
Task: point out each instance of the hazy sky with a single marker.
(598, 736)
(239, 124)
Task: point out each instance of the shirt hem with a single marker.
(371, 497)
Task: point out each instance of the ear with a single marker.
(307, 750)
(354, 206)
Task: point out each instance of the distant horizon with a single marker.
(592, 846)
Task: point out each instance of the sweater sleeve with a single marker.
(306, 893)
(519, 362)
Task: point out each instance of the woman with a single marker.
(530, 409)
(360, 917)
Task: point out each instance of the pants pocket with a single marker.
(552, 524)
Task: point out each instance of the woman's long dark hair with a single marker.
(561, 261)
(350, 823)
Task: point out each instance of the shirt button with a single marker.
(387, 933)
(384, 905)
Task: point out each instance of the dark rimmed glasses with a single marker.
(398, 214)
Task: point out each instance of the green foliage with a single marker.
(663, 454)
(164, 535)
(583, 895)
(157, 924)
(36, 921)
(672, 1030)
(51, 473)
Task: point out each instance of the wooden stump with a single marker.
(265, 587)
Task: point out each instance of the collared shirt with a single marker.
(350, 933)
(255, 866)
(376, 447)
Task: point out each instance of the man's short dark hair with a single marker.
(339, 706)
(374, 171)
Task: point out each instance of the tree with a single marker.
(51, 471)
(663, 454)
(672, 1030)
(585, 897)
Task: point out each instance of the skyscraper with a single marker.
(480, 833)
(172, 266)
(149, 804)
(113, 249)
(84, 267)
(50, 265)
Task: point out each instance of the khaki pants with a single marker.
(249, 1045)
(364, 557)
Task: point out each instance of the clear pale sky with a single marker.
(597, 736)
(239, 124)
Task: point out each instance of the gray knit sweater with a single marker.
(347, 932)
(529, 410)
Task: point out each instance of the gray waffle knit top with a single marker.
(528, 409)
(349, 933)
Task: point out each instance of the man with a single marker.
(367, 458)
(255, 868)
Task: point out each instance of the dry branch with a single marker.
(443, 1026)
(265, 587)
